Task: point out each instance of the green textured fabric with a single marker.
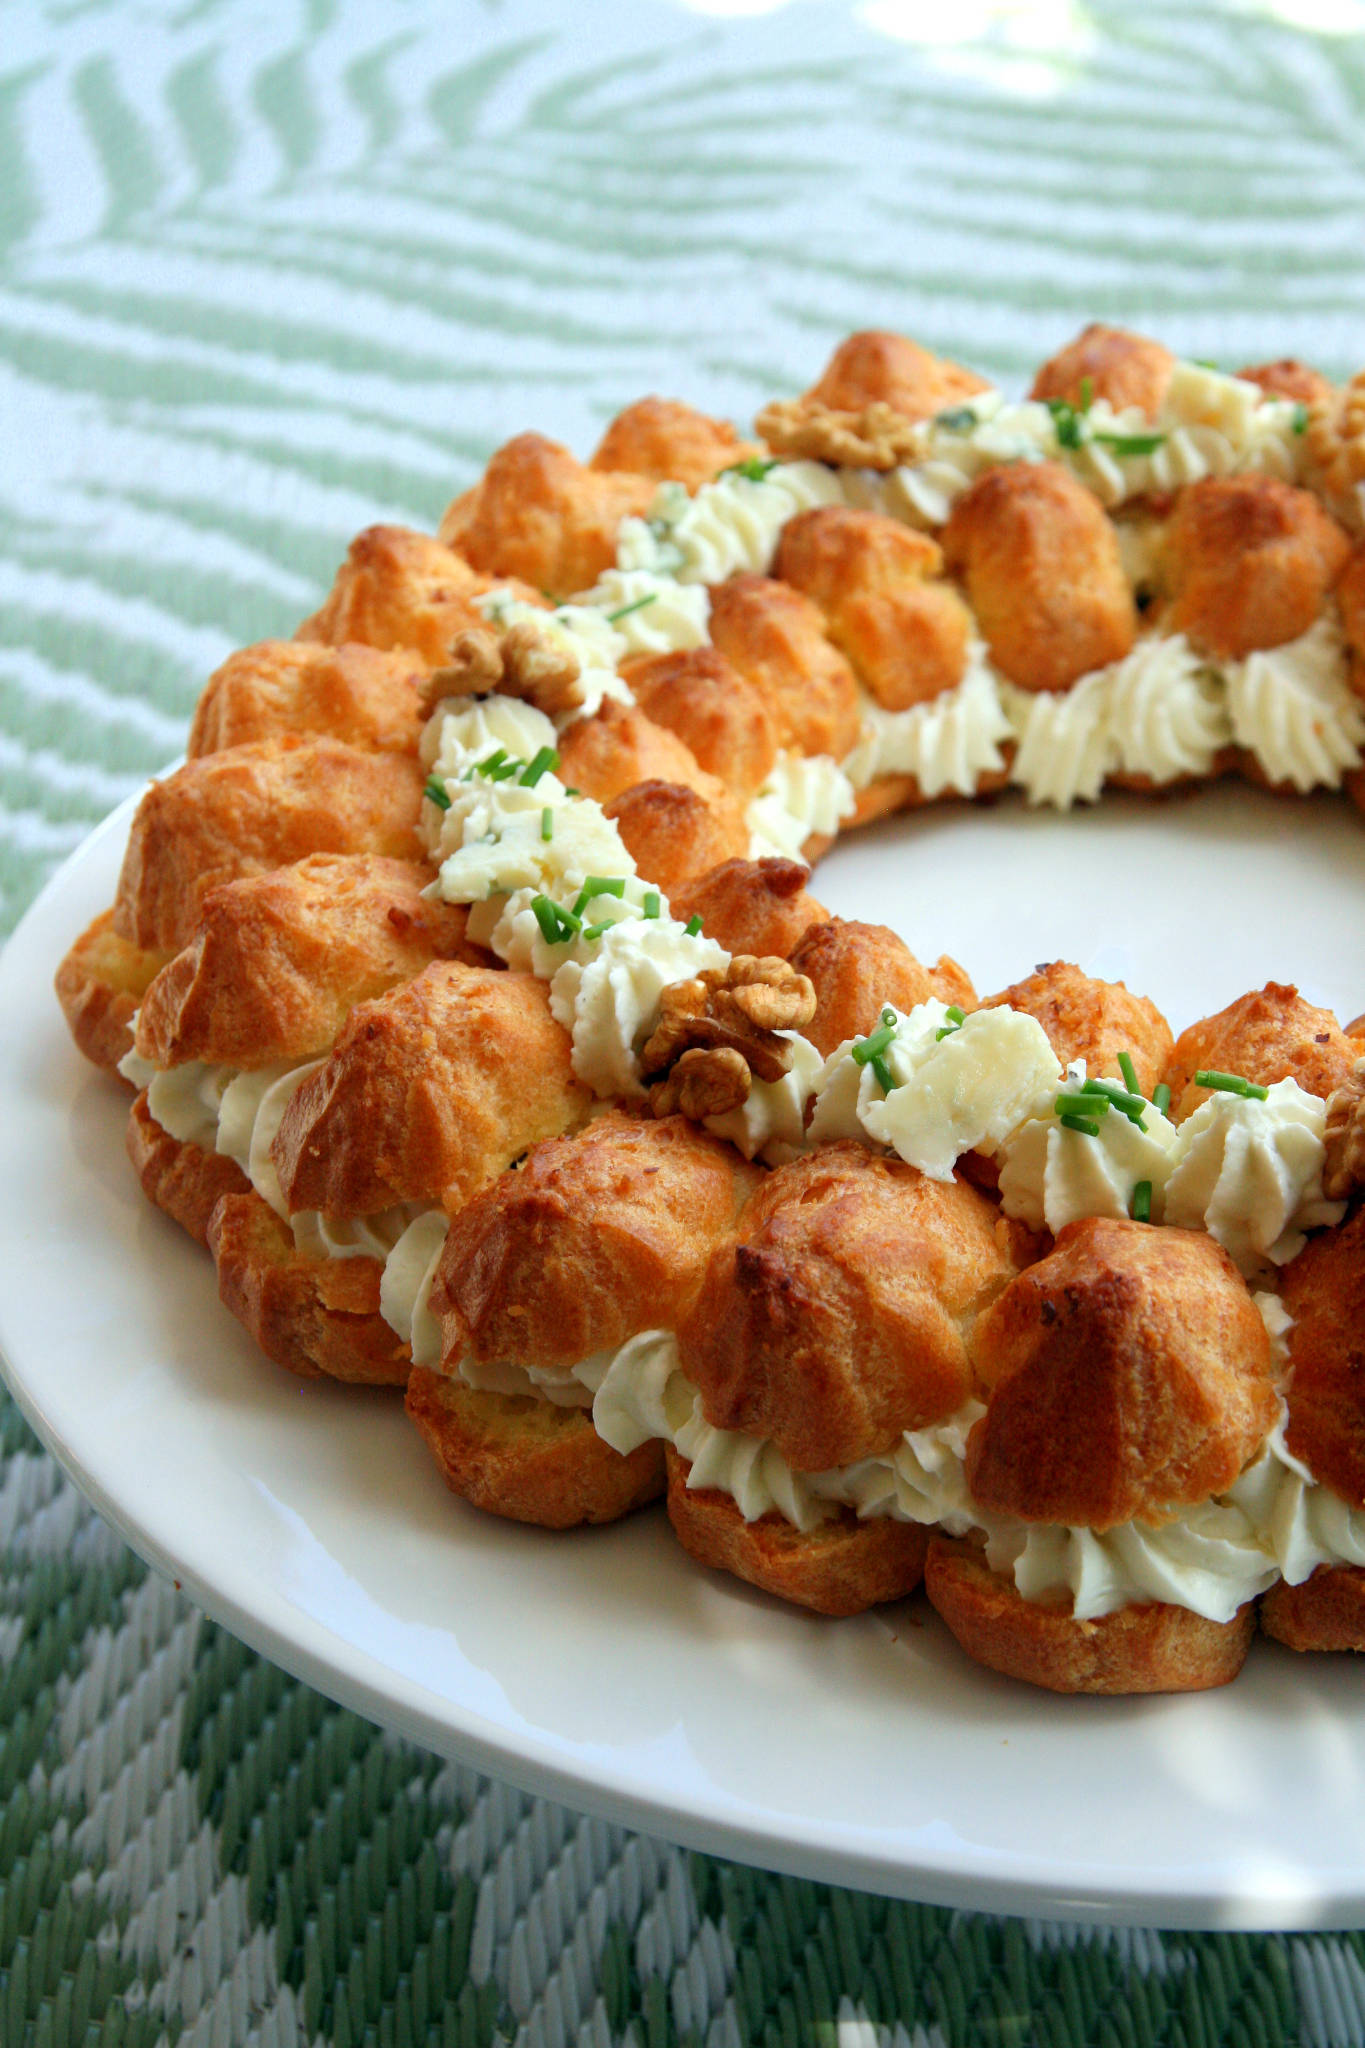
(267, 275)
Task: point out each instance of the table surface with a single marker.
(268, 274)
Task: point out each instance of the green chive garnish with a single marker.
(1142, 1202)
(693, 926)
(1161, 1097)
(959, 420)
(598, 885)
(1132, 444)
(1080, 1123)
(1087, 393)
(956, 1019)
(886, 1080)
(492, 762)
(541, 764)
(595, 931)
(573, 792)
(548, 917)
(547, 823)
(652, 903)
(753, 471)
(874, 1045)
(1066, 423)
(1129, 1073)
(1230, 1084)
(1068, 1106)
(624, 611)
(1299, 423)
(1132, 1106)
(437, 793)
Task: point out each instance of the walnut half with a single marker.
(805, 430)
(722, 1021)
(517, 662)
(1344, 1168)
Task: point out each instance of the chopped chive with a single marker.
(886, 1080)
(573, 792)
(889, 1016)
(1131, 1105)
(959, 419)
(1080, 1123)
(624, 611)
(956, 1015)
(595, 931)
(652, 903)
(1299, 423)
(1081, 1105)
(549, 917)
(598, 885)
(1129, 1073)
(1230, 1084)
(1161, 1097)
(570, 920)
(541, 763)
(1207, 363)
(1066, 423)
(437, 793)
(493, 760)
(1142, 1202)
(504, 771)
(693, 926)
(547, 823)
(1132, 444)
(956, 1019)
(1087, 393)
(753, 471)
(874, 1045)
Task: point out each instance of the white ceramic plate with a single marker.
(602, 1668)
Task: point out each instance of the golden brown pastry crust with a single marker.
(1326, 1612)
(620, 746)
(352, 693)
(528, 1460)
(539, 514)
(280, 960)
(1247, 562)
(314, 1317)
(906, 635)
(1152, 1647)
(596, 1237)
(251, 809)
(1092, 1020)
(1324, 1291)
(775, 637)
(1269, 1035)
(877, 367)
(843, 1567)
(431, 1090)
(1110, 363)
(857, 969)
(100, 983)
(753, 906)
(670, 442)
(399, 590)
(183, 1181)
(1350, 595)
(1040, 560)
(1130, 1375)
(674, 833)
(708, 704)
(1289, 378)
(839, 1313)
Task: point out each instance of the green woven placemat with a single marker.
(268, 274)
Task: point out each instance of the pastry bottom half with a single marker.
(1326, 1612)
(1148, 1647)
(527, 1459)
(842, 1567)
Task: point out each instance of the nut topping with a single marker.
(730, 1017)
(703, 1083)
(805, 430)
(1344, 1168)
(519, 662)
